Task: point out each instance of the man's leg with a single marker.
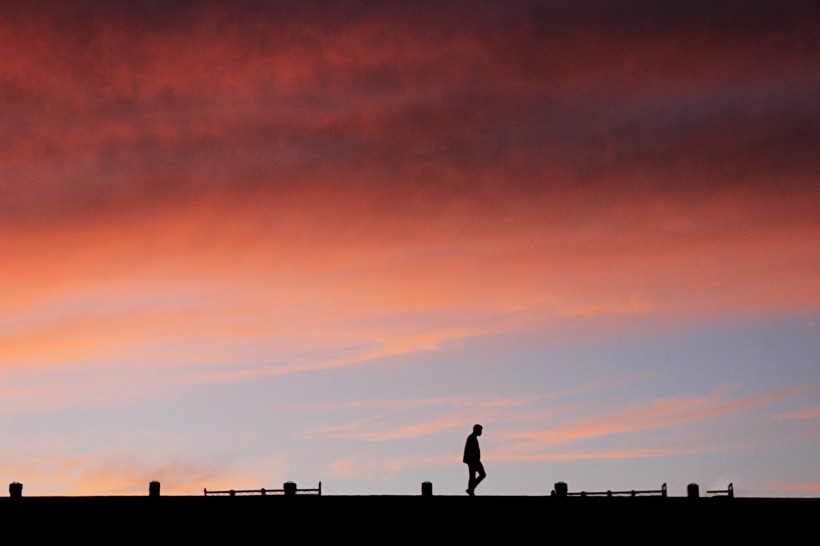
(471, 480)
(478, 468)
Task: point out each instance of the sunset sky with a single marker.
(244, 243)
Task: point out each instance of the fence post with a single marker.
(153, 489)
(426, 489)
(16, 490)
(560, 489)
(290, 488)
(692, 491)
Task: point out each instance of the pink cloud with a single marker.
(635, 453)
(806, 413)
(386, 433)
(659, 414)
(384, 469)
(790, 488)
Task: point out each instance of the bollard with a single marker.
(15, 490)
(560, 489)
(290, 488)
(153, 489)
(426, 489)
(692, 491)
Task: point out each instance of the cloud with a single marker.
(384, 468)
(806, 413)
(120, 474)
(385, 433)
(400, 419)
(392, 290)
(808, 487)
(201, 193)
(790, 488)
(659, 414)
(379, 182)
(545, 445)
(634, 453)
(120, 109)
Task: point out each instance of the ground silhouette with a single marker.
(367, 519)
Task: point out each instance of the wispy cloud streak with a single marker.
(659, 414)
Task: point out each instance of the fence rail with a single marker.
(633, 493)
(728, 492)
(289, 488)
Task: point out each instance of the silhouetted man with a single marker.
(472, 457)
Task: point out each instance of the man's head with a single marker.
(477, 430)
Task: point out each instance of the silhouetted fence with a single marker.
(728, 492)
(288, 488)
(632, 493)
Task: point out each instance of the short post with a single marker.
(153, 489)
(290, 488)
(16, 490)
(692, 491)
(560, 489)
(426, 489)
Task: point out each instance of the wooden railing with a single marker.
(633, 493)
(728, 492)
(288, 488)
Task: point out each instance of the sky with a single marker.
(254, 242)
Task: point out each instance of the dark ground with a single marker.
(407, 519)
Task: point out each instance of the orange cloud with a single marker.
(227, 192)
(121, 475)
(376, 185)
(129, 292)
(810, 487)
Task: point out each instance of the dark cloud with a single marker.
(115, 106)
